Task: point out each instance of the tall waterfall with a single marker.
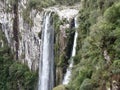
(69, 70)
(46, 80)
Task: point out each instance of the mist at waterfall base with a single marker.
(46, 76)
(69, 69)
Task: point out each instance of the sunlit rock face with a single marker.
(29, 42)
(29, 45)
(6, 21)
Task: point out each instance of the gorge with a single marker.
(59, 45)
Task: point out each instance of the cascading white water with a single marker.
(69, 69)
(46, 80)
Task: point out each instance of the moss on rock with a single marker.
(60, 87)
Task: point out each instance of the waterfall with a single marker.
(46, 80)
(69, 69)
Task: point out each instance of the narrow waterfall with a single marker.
(69, 70)
(46, 81)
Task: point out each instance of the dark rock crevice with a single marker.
(15, 28)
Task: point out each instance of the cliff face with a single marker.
(21, 37)
(23, 31)
(29, 46)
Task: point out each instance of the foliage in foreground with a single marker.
(14, 75)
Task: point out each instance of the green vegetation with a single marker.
(99, 32)
(66, 2)
(56, 24)
(14, 75)
(60, 87)
(62, 53)
(99, 37)
(35, 4)
(62, 45)
(40, 4)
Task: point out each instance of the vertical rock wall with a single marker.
(28, 49)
